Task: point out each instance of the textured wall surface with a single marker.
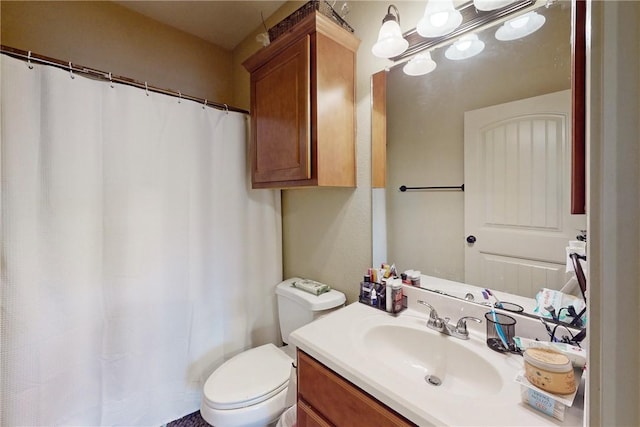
(112, 38)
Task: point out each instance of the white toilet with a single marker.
(250, 388)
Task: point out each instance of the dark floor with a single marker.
(191, 420)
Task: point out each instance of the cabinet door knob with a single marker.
(471, 239)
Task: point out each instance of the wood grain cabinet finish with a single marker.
(303, 107)
(327, 399)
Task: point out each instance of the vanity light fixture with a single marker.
(465, 47)
(419, 65)
(440, 18)
(390, 41)
(520, 26)
(486, 5)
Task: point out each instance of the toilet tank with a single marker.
(296, 308)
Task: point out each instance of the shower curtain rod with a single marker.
(103, 75)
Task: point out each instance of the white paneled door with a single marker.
(517, 188)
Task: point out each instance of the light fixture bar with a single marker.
(472, 19)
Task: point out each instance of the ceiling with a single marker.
(225, 23)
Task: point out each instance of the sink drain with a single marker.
(433, 380)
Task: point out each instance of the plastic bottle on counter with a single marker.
(397, 296)
(389, 296)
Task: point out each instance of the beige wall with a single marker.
(111, 38)
(241, 96)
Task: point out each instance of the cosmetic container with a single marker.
(397, 294)
(415, 278)
(365, 288)
(549, 370)
(406, 277)
(543, 403)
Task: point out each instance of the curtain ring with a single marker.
(179, 97)
(146, 88)
(205, 104)
(110, 80)
(226, 108)
(71, 71)
(30, 65)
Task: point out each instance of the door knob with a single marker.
(471, 239)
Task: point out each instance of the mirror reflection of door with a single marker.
(517, 163)
(425, 138)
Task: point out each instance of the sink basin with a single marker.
(422, 355)
(389, 357)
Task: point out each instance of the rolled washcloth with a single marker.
(311, 286)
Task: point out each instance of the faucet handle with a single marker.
(433, 314)
(434, 319)
(461, 327)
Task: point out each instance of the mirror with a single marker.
(426, 230)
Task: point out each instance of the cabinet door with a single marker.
(336, 400)
(280, 148)
(307, 417)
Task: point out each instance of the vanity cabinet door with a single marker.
(328, 399)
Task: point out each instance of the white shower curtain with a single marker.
(135, 257)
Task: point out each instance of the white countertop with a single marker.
(335, 340)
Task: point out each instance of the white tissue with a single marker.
(575, 247)
(556, 299)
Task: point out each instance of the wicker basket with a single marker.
(314, 5)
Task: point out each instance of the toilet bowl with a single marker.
(250, 389)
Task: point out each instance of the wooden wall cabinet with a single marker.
(303, 107)
(327, 399)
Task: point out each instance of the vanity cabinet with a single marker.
(303, 107)
(327, 399)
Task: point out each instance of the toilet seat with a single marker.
(248, 378)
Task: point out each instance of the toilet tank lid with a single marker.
(324, 301)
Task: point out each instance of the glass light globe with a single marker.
(390, 41)
(440, 18)
(419, 65)
(520, 26)
(465, 47)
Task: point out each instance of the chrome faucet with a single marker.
(443, 326)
